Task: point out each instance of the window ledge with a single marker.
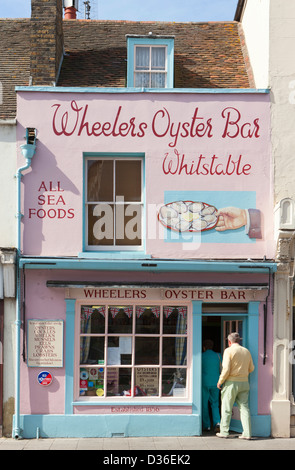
(114, 255)
(130, 403)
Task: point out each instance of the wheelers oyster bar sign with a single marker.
(174, 294)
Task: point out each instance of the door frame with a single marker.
(251, 329)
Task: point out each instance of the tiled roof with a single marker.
(14, 62)
(206, 55)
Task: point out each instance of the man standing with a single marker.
(237, 364)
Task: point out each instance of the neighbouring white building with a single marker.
(14, 66)
(7, 266)
(269, 28)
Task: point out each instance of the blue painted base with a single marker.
(58, 426)
(261, 425)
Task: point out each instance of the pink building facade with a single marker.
(147, 227)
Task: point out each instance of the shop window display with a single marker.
(133, 351)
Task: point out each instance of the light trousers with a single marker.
(235, 392)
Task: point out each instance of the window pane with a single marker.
(118, 381)
(91, 350)
(175, 320)
(158, 58)
(142, 80)
(142, 58)
(119, 350)
(120, 319)
(100, 180)
(92, 381)
(92, 319)
(148, 320)
(100, 224)
(174, 351)
(147, 381)
(158, 80)
(174, 382)
(146, 350)
(128, 180)
(128, 224)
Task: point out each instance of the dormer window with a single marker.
(150, 62)
(150, 66)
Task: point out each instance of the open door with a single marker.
(232, 325)
(217, 328)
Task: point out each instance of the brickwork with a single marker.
(46, 41)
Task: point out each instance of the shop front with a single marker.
(124, 357)
(147, 228)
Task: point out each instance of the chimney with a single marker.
(71, 8)
(46, 41)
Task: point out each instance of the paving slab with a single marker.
(152, 445)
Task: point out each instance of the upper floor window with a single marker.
(150, 62)
(113, 203)
(150, 69)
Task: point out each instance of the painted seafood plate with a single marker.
(188, 216)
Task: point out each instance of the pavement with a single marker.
(113, 448)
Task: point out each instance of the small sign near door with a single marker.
(45, 343)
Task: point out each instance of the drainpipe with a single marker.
(28, 151)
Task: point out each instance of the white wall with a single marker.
(255, 20)
(8, 204)
(282, 83)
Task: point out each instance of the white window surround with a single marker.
(105, 399)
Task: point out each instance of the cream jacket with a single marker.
(237, 364)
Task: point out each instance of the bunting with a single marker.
(88, 311)
(154, 310)
(115, 310)
(169, 310)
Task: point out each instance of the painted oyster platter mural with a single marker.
(188, 216)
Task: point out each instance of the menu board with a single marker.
(147, 378)
(45, 343)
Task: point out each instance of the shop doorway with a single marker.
(217, 328)
(211, 329)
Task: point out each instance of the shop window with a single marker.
(133, 351)
(114, 204)
(150, 62)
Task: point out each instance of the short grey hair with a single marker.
(234, 337)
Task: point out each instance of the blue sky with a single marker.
(159, 10)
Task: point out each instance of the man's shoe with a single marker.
(218, 434)
(245, 437)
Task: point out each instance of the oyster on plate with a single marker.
(188, 216)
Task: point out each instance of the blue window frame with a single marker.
(150, 62)
(114, 202)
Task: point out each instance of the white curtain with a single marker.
(158, 58)
(151, 64)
